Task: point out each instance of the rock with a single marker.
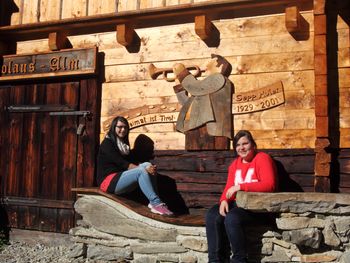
(272, 234)
(345, 258)
(342, 224)
(188, 259)
(330, 238)
(294, 202)
(145, 259)
(309, 237)
(277, 256)
(328, 256)
(154, 248)
(194, 243)
(108, 253)
(299, 223)
(77, 250)
(168, 258)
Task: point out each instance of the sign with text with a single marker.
(245, 102)
(258, 100)
(148, 115)
(51, 64)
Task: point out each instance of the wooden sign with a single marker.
(51, 64)
(148, 115)
(245, 102)
(258, 100)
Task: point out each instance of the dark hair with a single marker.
(243, 133)
(226, 68)
(111, 133)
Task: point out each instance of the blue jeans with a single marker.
(223, 232)
(135, 177)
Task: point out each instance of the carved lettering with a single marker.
(23, 68)
(3, 69)
(258, 100)
(17, 68)
(73, 64)
(31, 67)
(69, 62)
(55, 63)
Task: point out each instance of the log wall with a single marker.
(260, 49)
(257, 44)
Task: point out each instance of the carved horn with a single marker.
(155, 72)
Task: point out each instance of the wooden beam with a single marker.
(58, 41)
(293, 19)
(320, 24)
(151, 17)
(203, 26)
(322, 184)
(322, 127)
(3, 48)
(125, 34)
(319, 7)
(321, 105)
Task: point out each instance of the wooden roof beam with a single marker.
(151, 17)
(293, 19)
(203, 26)
(125, 34)
(58, 41)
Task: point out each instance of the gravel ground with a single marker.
(20, 252)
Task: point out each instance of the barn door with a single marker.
(48, 138)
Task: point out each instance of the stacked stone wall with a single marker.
(308, 227)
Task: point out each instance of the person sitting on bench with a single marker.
(251, 171)
(117, 174)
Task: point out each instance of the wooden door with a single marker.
(42, 156)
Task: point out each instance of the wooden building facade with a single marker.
(51, 123)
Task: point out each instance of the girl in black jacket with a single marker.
(117, 174)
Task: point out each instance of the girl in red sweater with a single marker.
(251, 171)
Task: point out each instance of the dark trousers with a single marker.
(223, 232)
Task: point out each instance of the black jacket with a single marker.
(109, 161)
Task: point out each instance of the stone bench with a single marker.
(309, 227)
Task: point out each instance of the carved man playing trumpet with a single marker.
(210, 103)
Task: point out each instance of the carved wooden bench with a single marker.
(142, 209)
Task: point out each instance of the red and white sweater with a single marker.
(257, 176)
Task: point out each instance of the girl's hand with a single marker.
(152, 169)
(223, 208)
(232, 190)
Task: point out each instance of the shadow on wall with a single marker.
(4, 226)
(143, 151)
(7, 8)
(285, 183)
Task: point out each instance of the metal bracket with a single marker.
(83, 113)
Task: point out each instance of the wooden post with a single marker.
(322, 156)
(203, 27)
(293, 19)
(125, 34)
(58, 41)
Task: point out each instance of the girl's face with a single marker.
(121, 130)
(245, 149)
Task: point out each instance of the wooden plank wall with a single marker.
(260, 50)
(259, 47)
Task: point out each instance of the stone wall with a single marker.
(308, 227)
(109, 231)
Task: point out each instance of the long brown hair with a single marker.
(111, 133)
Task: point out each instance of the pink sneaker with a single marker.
(161, 209)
